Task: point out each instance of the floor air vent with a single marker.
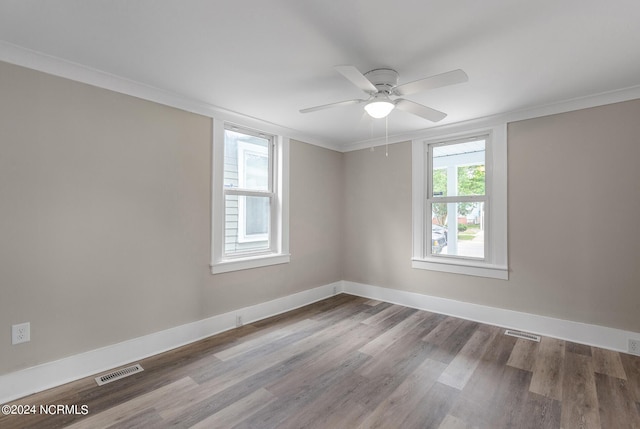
(523, 335)
(118, 374)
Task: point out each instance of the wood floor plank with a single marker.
(337, 406)
(476, 403)
(225, 378)
(383, 315)
(443, 331)
(206, 401)
(407, 396)
(375, 309)
(145, 419)
(306, 368)
(608, 362)
(576, 348)
(483, 381)
(631, 365)
(347, 308)
(384, 341)
(510, 399)
(450, 345)
(386, 375)
(238, 411)
(292, 362)
(311, 311)
(155, 399)
(287, 405)
(524, 354)
(548, 369)
(616, 408)
(454, 343)
(263, 339)
(500, 350)
(459, 371)
(347, 417)
(501, 406)
(434, 407)
(579, 395)
(540, 412)
(400, 349)
(451, 422)
(322, 360)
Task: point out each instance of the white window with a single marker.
(250, 199)
(460, 203)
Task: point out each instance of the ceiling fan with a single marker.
(382, 83)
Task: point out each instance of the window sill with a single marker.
(462, 267)
(229, 265)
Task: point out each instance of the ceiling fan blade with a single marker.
(444, 79)
(425, 112)
(357, 78)
(330, 105)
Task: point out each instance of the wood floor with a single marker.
(349, 362)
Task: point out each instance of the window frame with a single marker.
(278, 251)
(495, 261)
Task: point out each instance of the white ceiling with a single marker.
(269, 59)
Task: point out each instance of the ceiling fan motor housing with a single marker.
(383, 79)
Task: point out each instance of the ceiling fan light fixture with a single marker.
(379, 107)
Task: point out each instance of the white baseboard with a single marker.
(583, 333)
(35, 379)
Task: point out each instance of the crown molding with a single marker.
(586, 102)
(49, 64)
(55, 66)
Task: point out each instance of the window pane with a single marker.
(247, 222)
(246, 161)
(459, 169)
(457, 229)
(440, 182)
(256, 219)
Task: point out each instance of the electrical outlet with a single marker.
(634, 347)
(21, 333)
(335, 290)
(238, 321)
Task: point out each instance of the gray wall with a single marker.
(105, 220)
(574, 220)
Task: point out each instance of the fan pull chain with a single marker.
(386, 136)
(371, 133)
